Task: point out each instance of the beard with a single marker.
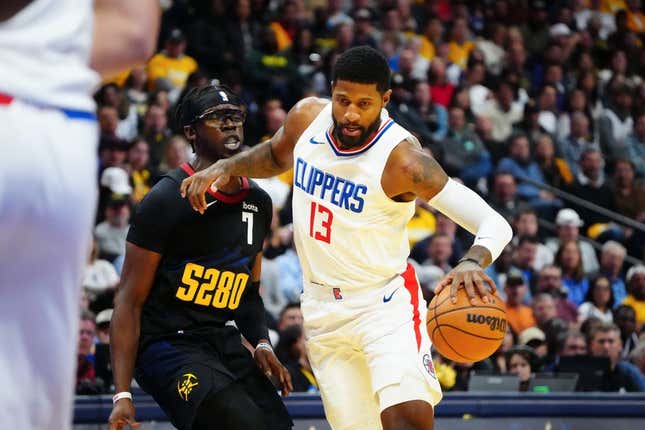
(354, 141)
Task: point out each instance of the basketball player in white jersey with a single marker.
(356, 176)
(51, 52)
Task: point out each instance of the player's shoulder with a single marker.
(305, 111)
(166, 190)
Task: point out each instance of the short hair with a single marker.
(88, 316)
(527, 239)
(363, 65)
(613, 245)
(603, 327)
(290, 305)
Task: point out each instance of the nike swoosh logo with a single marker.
(315, 142)
(388, 298)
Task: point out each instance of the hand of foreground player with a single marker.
(271, 366)
(475, 280)
(123, 415)
(195, 186)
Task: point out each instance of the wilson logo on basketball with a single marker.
(494, 323)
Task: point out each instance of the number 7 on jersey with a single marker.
(320, 222)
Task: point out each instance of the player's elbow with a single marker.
(506, 231)
(142, 44)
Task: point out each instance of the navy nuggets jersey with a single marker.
(205, 270)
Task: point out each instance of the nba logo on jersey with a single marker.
(337, 294)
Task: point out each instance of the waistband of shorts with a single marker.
(330, 293)
(6, 99)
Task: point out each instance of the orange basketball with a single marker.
(464, 332)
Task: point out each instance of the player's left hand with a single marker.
(271, 366)
(477, 283)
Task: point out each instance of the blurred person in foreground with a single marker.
(52, 52)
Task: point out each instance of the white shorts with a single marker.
(369, 350)
(47, 205)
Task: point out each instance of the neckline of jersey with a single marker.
(360, 149)
(225, 198)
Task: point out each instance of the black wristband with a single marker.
(469, 259)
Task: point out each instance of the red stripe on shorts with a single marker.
(5, 99)
(411, 284)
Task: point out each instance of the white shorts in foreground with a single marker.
(47, 203)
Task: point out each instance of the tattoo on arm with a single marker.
(427, 176)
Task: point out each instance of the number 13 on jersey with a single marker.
(320, 220)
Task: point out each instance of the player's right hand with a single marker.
(123, 415)
(194, 187)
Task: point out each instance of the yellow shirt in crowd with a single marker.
(458, 54)
(639, 307)
(176, 70)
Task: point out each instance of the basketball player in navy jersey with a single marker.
(186, 275)
(356, 176)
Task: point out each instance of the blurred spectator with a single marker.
(636, 293)
(297, 363)
(99, 275)
(113, 152)
(521, 165)
(576, 142)
(170, 68)
(523, 362)
(111, 233)
(549, 280)
(432, 37)
(518, 315)
(492, 47)
(544, 309)
(625, 319)
(637, 358)
(434, 115)
(459, 47)
(548, 104)
(156, 132)
(634, 149)
(504, 197)
(590, 185)
(440, 252)
(290, 315)
(176, 153)
(114, 180)
(612, 258)
(629, 195)
(569, 259)
(108, 118)
(616, 123)
(573, 344)
(555, 170)
(502, 111)
(524, 258)
(85, 373)
(463, 153)
(576, 103)
(525, 223)
(135, 90)
(110, 95)
(536, 31)
(568, 223)
(364, 32)
(535, 339)
(443, 225)
(440, 88)
(599, 301)
(140, 174)
(103, 319)
(605, 341)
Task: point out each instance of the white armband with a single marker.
(470, 211)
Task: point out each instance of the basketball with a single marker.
(464, 332)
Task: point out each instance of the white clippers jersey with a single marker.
(347, 231)
(45, 54)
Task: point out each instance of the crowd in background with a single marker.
(518, 99)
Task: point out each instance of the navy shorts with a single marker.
(179, 373)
